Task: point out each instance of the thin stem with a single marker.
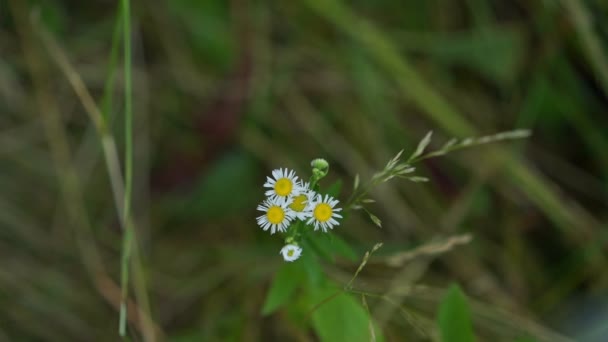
(108, 90)
(128, 107)
(100, 121)
(128, 232)
(365, 189)
(362, 265)
(323, 302)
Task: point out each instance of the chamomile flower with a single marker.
(291, 252)
(277, 215)
(300, 204)
(283, 184)
(324, 213)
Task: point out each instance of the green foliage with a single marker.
(214, 196)
(454, 318)
(353, 81)
(331, 244)
(283, 287)
(340, 317)
(525, 339)
(494, 52)
(311, 266)
(208, 29)
(334, 189)
(53, 17)
(395, 168)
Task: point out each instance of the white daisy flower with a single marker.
(301, 204)
(277, 215)
(291, 252)
(284, 184)
(324, 213)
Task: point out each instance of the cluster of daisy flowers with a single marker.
(292, 203)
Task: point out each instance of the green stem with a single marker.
(124, 279)
(128, 109)
(128, 232)
(108, 90)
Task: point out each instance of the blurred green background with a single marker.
(226, 91)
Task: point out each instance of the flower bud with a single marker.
(319, 164)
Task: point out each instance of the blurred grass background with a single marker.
(225, 91)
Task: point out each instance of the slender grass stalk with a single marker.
(108, 90)
(437, 108)
(95, 114)
(591, 44)
(107, 101)
(128, 232)
(124, 279)
(113, 166)
(372, 331)
(56, 136)
(128, 107)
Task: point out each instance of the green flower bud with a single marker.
(320, 164)
(318, 174)
(320, 168)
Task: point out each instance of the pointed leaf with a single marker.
(454, 318)
(314, 272)
(342, 247)
(334, 189)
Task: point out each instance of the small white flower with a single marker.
(277, 215)
(283, 184)
(291, 252)
(324, 213)
(301, 204)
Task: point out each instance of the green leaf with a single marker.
(214, 195)
(343, 248)
(334, 189)
(319, 248)
(311, 265)
(283, 286)
(454, 318)
(331, 244)
(340, 317)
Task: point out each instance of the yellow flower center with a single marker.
(322, 212)
(275, 215)
(283, 187)
(290, 252)
(299, 203)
